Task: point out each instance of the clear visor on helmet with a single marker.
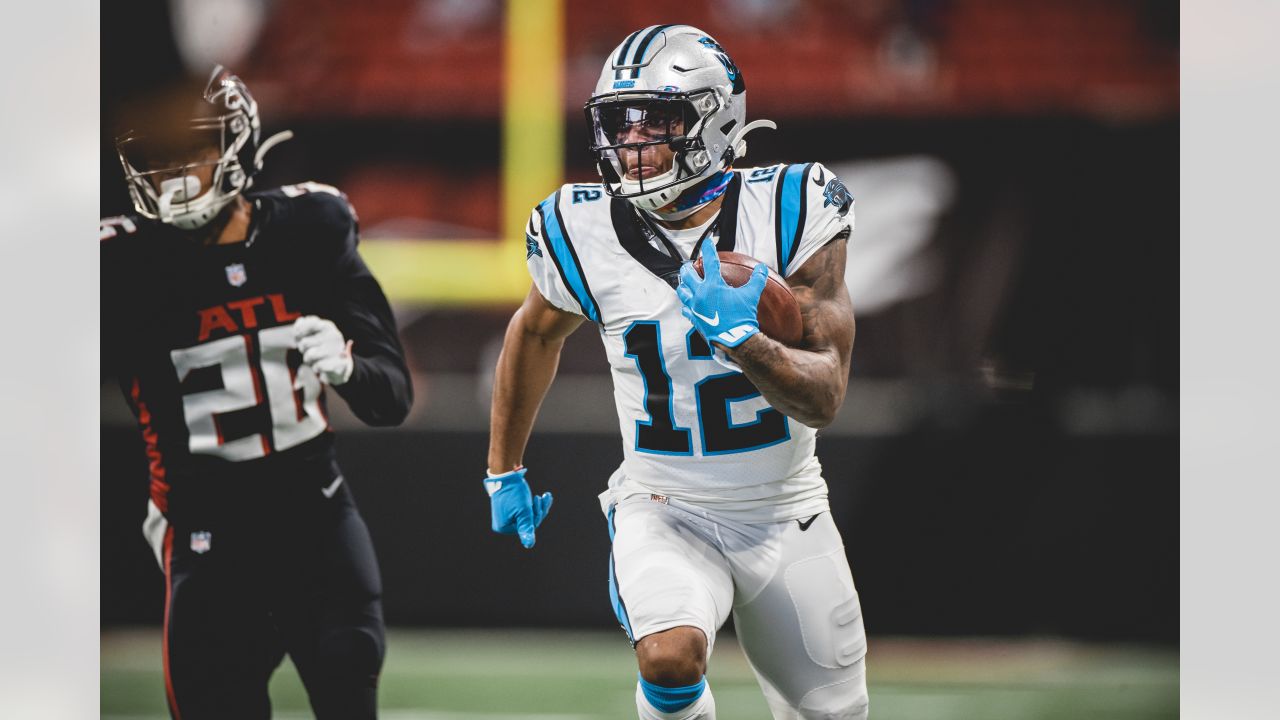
(636, 122)
(643, 137)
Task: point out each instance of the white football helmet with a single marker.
(230, 125)
(668, 85)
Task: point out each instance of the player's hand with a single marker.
(324, 349)
(515, 510)
(721, 313)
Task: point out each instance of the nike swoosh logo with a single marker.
(333, 487)
(733, 335)
(712, 321)
(821, 179)
(804, 524)
(492, 486)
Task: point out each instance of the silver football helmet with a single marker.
(159, 162)
(671, 85)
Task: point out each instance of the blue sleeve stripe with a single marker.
(790, 214)
(619, 607)
(565, 257)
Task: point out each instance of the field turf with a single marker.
(574, 675)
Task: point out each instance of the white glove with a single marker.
(324, 349)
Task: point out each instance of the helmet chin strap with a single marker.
(677, 214)
(694, 198)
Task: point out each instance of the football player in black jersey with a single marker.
(226, 314)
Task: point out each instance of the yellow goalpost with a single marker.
(480, 272)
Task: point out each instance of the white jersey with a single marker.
(692, 428)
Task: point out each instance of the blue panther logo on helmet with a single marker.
(837, 194)
(722, 55)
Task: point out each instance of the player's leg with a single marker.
(672, 590)
(330, 612)
(219, 646)
(802, 630)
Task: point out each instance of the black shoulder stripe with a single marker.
(627, 228)
(728, 240)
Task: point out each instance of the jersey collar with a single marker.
(634, 233)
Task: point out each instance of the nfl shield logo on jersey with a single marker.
(236, 275)
(202, 540)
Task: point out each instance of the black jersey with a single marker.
(201, 340)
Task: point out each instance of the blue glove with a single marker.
(720, 312)
(516, 511)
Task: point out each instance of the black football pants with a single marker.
(297, 580)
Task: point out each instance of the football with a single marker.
(778, 312)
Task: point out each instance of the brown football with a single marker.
(778, 312)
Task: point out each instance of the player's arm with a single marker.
(526, 366)
(808, 383)
(380, 391)
(357, 350)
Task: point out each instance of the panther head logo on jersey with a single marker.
(837, 194)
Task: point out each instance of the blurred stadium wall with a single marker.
(1006, 462)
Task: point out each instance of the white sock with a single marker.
(704, 708)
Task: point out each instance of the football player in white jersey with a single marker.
(719, 506)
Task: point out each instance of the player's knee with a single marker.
(352, 652)
(673, 658)
(842, 701)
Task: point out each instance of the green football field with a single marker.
(563, 675)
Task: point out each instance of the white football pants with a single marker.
(787, 584)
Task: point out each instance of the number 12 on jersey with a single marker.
(714, 396)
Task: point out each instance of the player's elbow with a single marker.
(384, 415)
(821, 411)
(390, 416)
(819, 420)
(381, 401)
(397, 408)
